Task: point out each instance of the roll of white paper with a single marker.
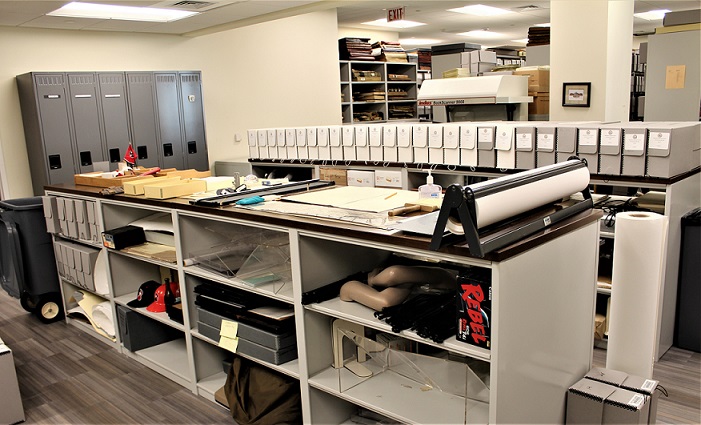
(511, 202)
(638, 270)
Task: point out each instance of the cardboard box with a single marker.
(474, 307)
(361, 178)
(174, 189)
(337, 175)
(538, 78)
(11, 409)
(96, 179)
(488, 56)
(540, 104)
(593, 402)
(184, 174)
(388, 178)
(136, 187)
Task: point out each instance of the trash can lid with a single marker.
(32, 203)
(693, 216)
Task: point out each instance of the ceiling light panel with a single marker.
(481, 34)
(480, 10)
(125, 13)
(652, 15)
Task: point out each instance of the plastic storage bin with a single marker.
(27, 262)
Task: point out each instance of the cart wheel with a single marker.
(26, 302)
(49, 308)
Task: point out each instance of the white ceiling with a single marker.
(217, 15)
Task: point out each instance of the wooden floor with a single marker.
(69, 377)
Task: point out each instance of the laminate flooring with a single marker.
(69, 377)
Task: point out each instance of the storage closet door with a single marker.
(142, 116)
(86, 125)
(53, 110)
(114, 114)
(168, 106)
(195, 147)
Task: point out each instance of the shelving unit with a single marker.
(322, 252)
(360, 79)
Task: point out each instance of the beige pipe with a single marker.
(370, 297)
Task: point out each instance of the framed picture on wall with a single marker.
(576, 94)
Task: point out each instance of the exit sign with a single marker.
(395, 14)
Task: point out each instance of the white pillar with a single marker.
(591, 41)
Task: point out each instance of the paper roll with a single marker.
(512, 202)
(638, 270)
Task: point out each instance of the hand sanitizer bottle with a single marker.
(430, 190)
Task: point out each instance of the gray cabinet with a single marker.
(74, 120)
(193, 121)
(141, 97)
(115, 119)
(82, 88)
(168, 106)
(45, 115)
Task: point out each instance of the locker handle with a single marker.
(81, 96)
(109, 96)
(52, 96)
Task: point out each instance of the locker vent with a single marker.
(112, 79)
(165, 78)
(82, 79)
(140, 79)
(190, 78)
(49, 80)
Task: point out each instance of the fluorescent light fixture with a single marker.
(547, 24)
(418, 41)
(394, 24)
(124, 13)
(480, 10)
(652, 15)
(481, 34)
(523, 41)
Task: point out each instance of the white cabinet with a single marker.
(541, 321)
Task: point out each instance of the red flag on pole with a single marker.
(130, 156)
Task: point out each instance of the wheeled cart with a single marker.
(27, 262)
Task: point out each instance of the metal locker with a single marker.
(195, 147)
(82, 88)
(45, 109)
(142, 114)
(115, 119)
(168, 107)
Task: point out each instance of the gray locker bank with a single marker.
(73, 120)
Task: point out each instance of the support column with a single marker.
(591, 41)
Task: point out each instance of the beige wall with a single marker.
(278, 73)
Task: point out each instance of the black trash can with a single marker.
(27, 262)
(688, 329)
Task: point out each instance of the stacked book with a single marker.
(389, 51)
(368, 116)
(376, 95)
(424, 59)
(396, 94)
(398, 112)
(538, 36)
(398, 77)
(355, 49)
(363, 75)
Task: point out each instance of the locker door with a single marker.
(86, 124)
(195, 146)
(142, 115)
(167, 101)
(53, 116)
(115, 120)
